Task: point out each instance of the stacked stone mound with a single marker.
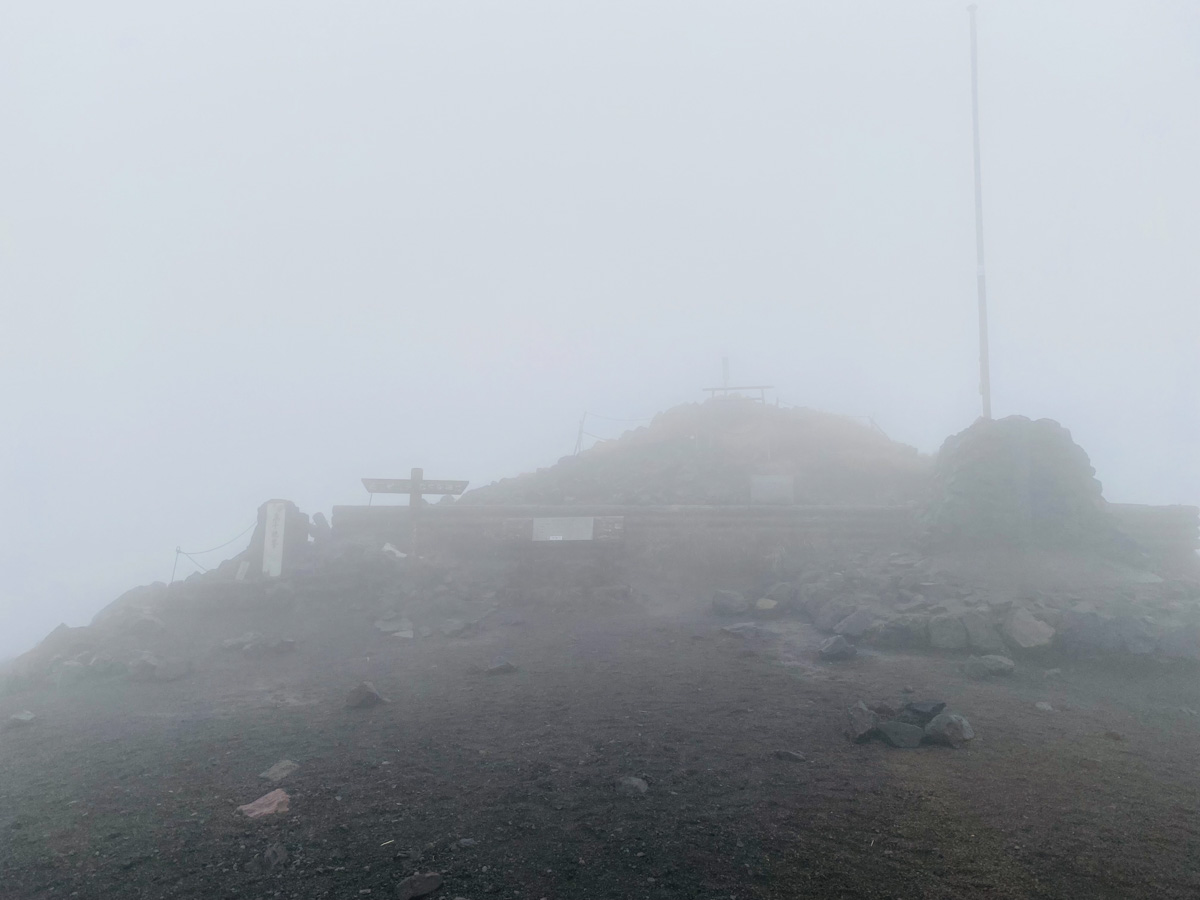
(1018, 482)
(707, 453)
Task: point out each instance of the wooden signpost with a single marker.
(416, 486)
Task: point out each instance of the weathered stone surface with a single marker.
(947, 632)
(828, 616)
(1043, 706)
(631, 786)
(836, 648)
(147, 666)
(730, 603)
(20, 720)
(981, 633)
(1026, 632)
(766, 605)
(861, 723)
(242, 642)
(949, 728)
(418, 885)
(901, 734)
(364, 696)
(788, 755)
(500, 668)
(920, 712)
(266, 805)
(910, 631)
(280, 770)
(856, 624)
(988, 666)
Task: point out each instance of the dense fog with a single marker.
(264, 250)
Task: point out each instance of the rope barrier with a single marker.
(194, 553)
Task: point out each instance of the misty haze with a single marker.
(547, 450)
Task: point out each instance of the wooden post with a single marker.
(414, 507)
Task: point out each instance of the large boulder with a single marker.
(981, 633)
(906, 632)
(947, 632)
(1024, 631)
(856, 624)
(950, 729)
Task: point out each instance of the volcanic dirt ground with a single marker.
(507, 784)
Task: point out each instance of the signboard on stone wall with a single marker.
(276, 519)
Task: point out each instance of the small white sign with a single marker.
(574, 528)
(273, 540)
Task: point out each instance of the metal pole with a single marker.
(985, 376)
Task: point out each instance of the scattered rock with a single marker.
(452, 628)
(988, 666)
(862, 722)
(856, 624)
(947, 632)
(788, 755)
(830, 614)
(146, 666)
(1043, 706)
(418, 885)
(1114, 735)
(271, 858)
(398, 627)
(631, 786)
(749, 630)
(909, 631)
(981, 633)
(242, 642)
(766, 605)
(883, 709)
(920, 712)
(901, 734)
(837, 648)
(1026, 632)
(730, 603)
(266, 805)
(364, 696)
(950, 729)
(280, 770)
(500, 668)
(21, 719)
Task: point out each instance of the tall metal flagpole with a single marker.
(985, 375)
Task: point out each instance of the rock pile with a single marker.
(922, 721)
(1017, 482)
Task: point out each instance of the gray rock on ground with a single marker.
(837, 648)
(364, 696)
(1026, 632)
(280, 770)
(147, 666)
(988, 666)
(834, 611)
(861, 722)
(947, 632)
(20, 720)
(631, 786)
(981, 633)
(901, 734)
(950, 729)
(856, 624)
(418, 885)
(910, 632)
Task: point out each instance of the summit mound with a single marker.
(709, 453)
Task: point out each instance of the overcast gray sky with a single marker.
(254, 250)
